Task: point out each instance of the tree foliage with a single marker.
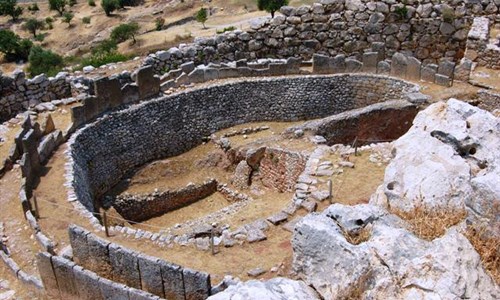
(13, 47)
(58, 5)
(110, 6)
(33, 25)
(67, 17)
(271, 6)
(202, 16)
(124, 32)
(10, 8)
(44, 61)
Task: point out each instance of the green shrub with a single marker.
(91, 2)
(58, 5)
(402, 12)
(159, 22)
(33, 25)
(124, 32)
(49, 22)
(44, 61)
(67, 17)
(9, 8)
(13, 47)
(202, 16)
(225, 29)
(103, 59)
(448, 15)
(33, 8)
(72, 3)
(105, 46)
(109, 6)
(86, 20)
(271, 6)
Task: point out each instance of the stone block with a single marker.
(399, 65)
(197, 76)
(196, 284)
(78, 115)
(187, 67)
(92, 107)
(353, 65)
(413, 69)
(293, 65)
(428, 73)
(87, 283)
(63, 269)
(148, 83)
(211, 74)
(462, 71)
(47, 275)
(112, 290)
(417, 98)
(277, 69)
(125, 268)
(150, 270)
(338, 64)
(228, 73)
(370, 61)
(135, 294)
(443, 80)
(383, 68)
(108, 93)
(379, 47)
(173, 281)
(130, 93)
(321, 64)
(446, 68)
(167, 85)
(78, 241)
(98, 259)
(241, 63)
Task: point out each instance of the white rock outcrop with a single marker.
(450, 159)
(391, 264)
(274, 289)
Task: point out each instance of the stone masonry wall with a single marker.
(139, 208)
(279, 168)
(102, 152)
(137, 270)
(480, 47)
(426, 29)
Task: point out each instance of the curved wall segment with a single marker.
(104, 151)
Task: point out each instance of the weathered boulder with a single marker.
(274, 289)
(391, 263)
(448, 159)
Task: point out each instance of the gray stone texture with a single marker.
(151, 279)
(78, 241)
(399, 65)
(108, 92)
(125, 268)
(428, 73)
(98, 259)
(87, 283)
(112, 290)
(47, 275)
(370, 61)
(413, 69)
(173, 281)
(148, 83)
(196, 284)
(63, 269)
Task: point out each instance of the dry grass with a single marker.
(359, 236)
(430, 223)
(488, 248)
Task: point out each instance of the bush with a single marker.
(103, 59)
(159, 22)
(49, 22)
(106, 46)
(33, 8)
(91, 2)
(202, 16)
(230, 28)
(109, 6)
(124, 32)
(72, 3)
(44, 61)
(86, 20)
(271, 6)
(9, 8)
(67, 17)
(57, 5)
(33, 25)
(13, 46)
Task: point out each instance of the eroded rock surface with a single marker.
(391, 264)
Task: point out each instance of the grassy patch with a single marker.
(488, 248)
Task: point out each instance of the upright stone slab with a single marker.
(338, 63)
(383, 68)
(379, 47)
(321, 64)
(63, 269)
(78, 116)
(353, 65)
(108, 92)
(443, 80)
(211, 74)
(228, 73)
(462, 71)
(112, 290)
(188, 67)
(149, 84)
(47, 275)
(370, 61)
(293, 65)
(197, 76)
(135, 294)
(196, 284)
(413, 69)
(130, 93)
(125, 268)
(91, 107)
(277, 69)
(78, 241)
(399, 65)
(446, 68)
(173, 281)
(428, 73)
(98, 260)
(87, 283)
(150, 270)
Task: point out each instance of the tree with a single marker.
(124, 32)
(271, 6)
(109, 6)
(32, 25)
(58, 5)
(201, 16)
(67, 17)
(13, 46)
(9, 8)
(44, 61)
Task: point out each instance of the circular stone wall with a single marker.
(104, 151)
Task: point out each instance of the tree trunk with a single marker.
(272, 13)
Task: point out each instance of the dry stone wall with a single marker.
(137, 270)
(481, 47)
(426, 29)
(102, 152)
(280, 168)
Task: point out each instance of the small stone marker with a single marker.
(278, 218)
